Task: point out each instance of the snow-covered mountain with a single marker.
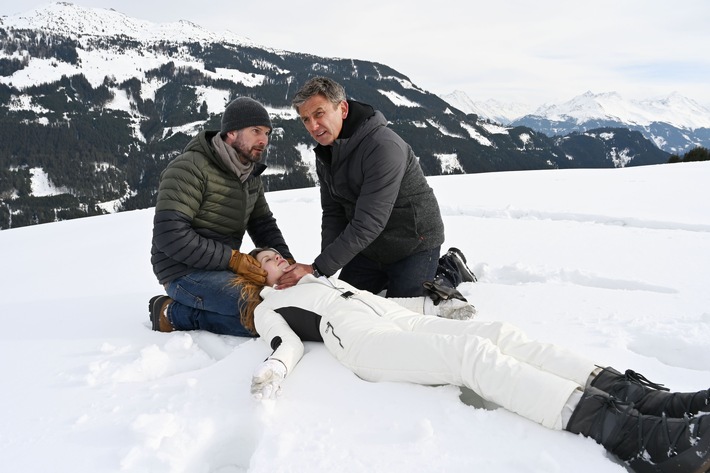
(675, 123)
(93, 29)
(491, 109)
(76, 21)
(94, 104)
(673, 109)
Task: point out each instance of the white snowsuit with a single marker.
(381, 341)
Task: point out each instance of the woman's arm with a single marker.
(273, 329)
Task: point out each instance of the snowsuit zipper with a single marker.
(348, 295)
(329, 328)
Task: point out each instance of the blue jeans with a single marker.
(403, 278)
(206, 300)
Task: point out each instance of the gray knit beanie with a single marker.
(243, 112)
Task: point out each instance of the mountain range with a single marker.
(675, 123)
(94, 104)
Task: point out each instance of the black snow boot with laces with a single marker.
(450, 272)
(648, 397)
(648, 444)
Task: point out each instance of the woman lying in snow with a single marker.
(379, 340)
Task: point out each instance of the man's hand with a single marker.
(292, 275)
(247, 267)
(267, 378)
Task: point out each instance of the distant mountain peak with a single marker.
(675, 123)
(491, 109)
(674, 109)
(76, 21)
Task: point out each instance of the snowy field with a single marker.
(613, 263)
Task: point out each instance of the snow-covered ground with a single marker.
(613, 263)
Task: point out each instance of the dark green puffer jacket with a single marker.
(203, 211)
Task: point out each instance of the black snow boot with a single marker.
(648, 397)
(450, 272)
(646, 443)
(452, 265)
(441, 290)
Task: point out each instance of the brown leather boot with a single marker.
(158, 307)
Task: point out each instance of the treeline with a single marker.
(38, 44)
(25, 211)
(696, 154)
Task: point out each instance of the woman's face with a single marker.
(273, 263)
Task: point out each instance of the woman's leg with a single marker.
(449, 309)
(463, 360)
(415, 304)
(509, 339)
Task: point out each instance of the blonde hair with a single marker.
(249, 294)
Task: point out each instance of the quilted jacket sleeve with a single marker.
(274, 330)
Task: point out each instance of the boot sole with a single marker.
(155, 322)
(694, 460)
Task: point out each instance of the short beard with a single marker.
(244, 154)
(247, 157)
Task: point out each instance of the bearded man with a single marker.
(208, 197)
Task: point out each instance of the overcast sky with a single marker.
(508, 50)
